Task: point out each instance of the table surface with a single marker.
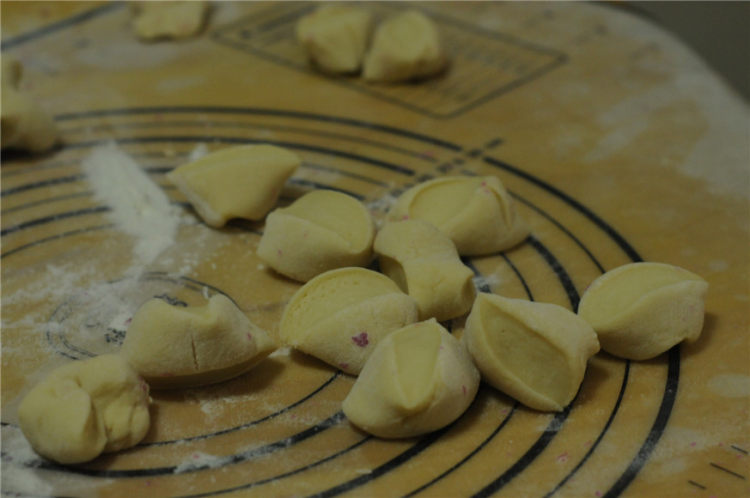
(615, 141)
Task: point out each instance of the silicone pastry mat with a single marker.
(616, 143)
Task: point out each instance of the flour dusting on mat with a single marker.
(139, 207)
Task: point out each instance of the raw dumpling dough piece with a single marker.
(404, 47)
(320, 231)
(24, 125)
(236, 182)
(477, 213)
(640, 310)
(335, 37)
(177, 346)
(172, 19)
(85, 408)
(534, 352)
(418, 380)
(424, 263)
(341, 315)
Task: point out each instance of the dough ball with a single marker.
(235, 182)
(23, 123)
(173, 19)
(404, 47)
(335, 37)
(85, 408)
(177, 346)
(477, 213)
(341, 315)
(424, 263)
(320, 231)
(419, 379)
(534, 352)
(641, 310)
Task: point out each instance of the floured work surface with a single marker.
(615, 142)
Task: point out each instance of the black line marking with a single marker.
(302, 182)
(60, 25)
(468, 456)
(724, 469)
(657, 429)
(259, 112)
(55, 217)
(239, 140)
(561, 227)
(562, 275)
(337, 171)
(48, 200)
(600, 223)
(41, 183)
(744, 452)
(234, 459)
(701, 486)
(518, 274)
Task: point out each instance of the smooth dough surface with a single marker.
(84, 408)
(419, 379)
(404, 47)
(535, 352)
(320, 231)
(177, 346)
(341, 315)
(424, 263)
(235, 182)
(641, 310)
(335, 37)
(23, 123)
(477, 213)
(172, 19)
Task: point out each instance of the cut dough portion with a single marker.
(23, 123)
(534, 352)
(320, 231)
(640, 310)
(419, 379)
(236, 182)
(173, 346)
(173, 19)
(85, 408)
(335, 37)
(477, 213)
(341, 315)
(424, 262)
(404, 47)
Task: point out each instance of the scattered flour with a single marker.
(200, 460)
(198, 151)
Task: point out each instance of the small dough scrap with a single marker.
(419, 379)
(534, 352)
(404, 47)
(424, 263)
(177, 346)
(320, 231)
(171, 19)
(341, 315)
(641, 310)
(335, 37)
(235, 182)
(477, 213)
(23, 123)
(85, 408)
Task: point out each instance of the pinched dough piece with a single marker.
(335, 37)
(419, 379)
(236, 182)
(404, 47)
(477, 213)
(424, 263)
(174, 346)
(534, 352)
(173, 19)
(320, 231)
(24, 125)
(85, 408)
(341, 315)
(640, 310)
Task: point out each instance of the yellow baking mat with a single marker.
(616, 143)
